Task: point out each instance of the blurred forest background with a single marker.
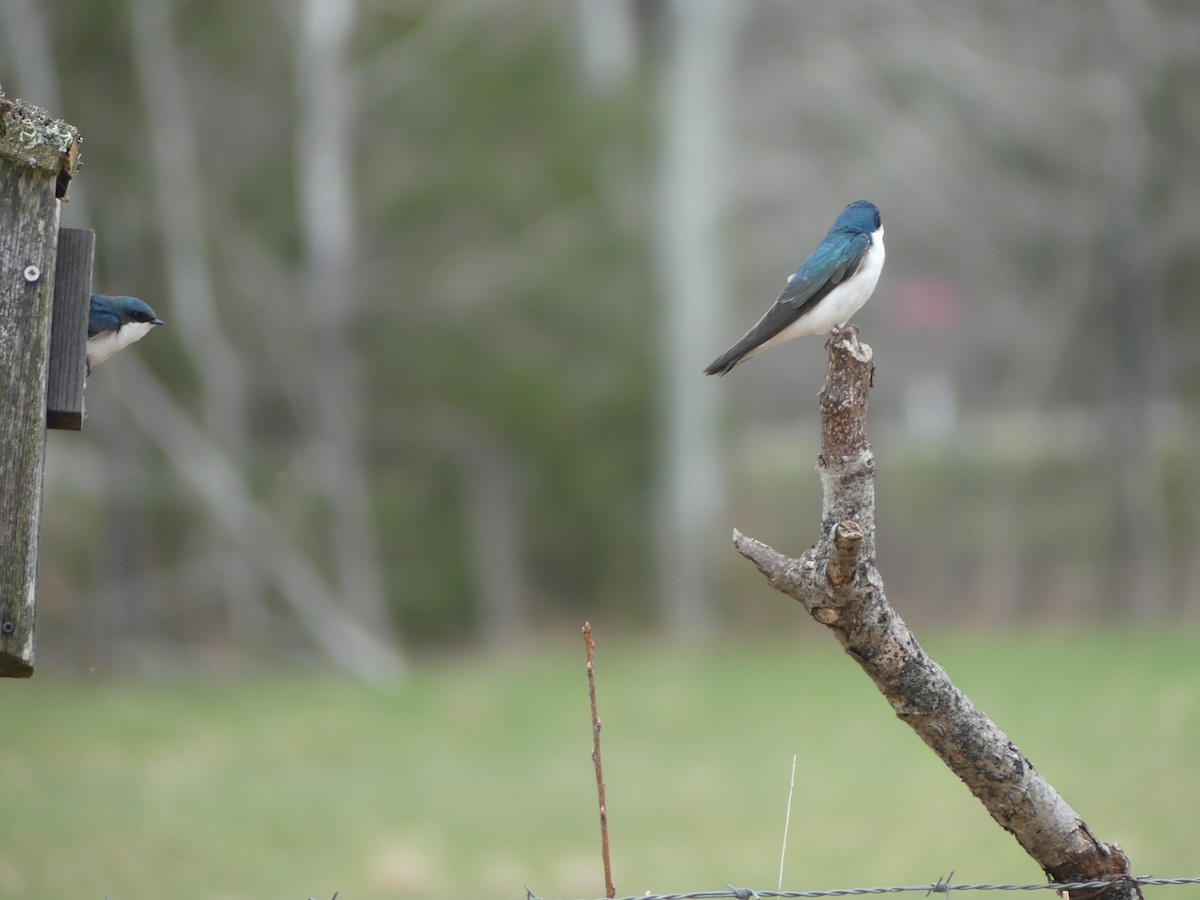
(440, 279)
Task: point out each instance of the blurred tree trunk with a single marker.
(1134, 291)
(1140, 541)
(325, 158)
(216, 361)
(997, 591)
(698, 68)
(494, 500)
(120, 614)
(607, 35)
(1191, 568)
(27, 42)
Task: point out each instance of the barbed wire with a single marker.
(941, 886)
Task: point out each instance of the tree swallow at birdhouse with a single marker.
(114, 323)
(828, 288)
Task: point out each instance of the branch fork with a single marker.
(838, 584)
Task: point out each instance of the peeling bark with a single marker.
(837, 582)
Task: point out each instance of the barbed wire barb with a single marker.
(941, 886)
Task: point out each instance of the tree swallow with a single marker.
(114, 323)
(828, 288)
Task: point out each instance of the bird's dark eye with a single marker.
(878, 219)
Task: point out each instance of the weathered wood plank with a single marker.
(38, 155)
(68, 328)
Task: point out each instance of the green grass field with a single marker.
(474, 779)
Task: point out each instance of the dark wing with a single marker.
(826, 267)
(101, 317)
(824, 270)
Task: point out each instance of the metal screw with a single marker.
(8, 627)
(32, 274)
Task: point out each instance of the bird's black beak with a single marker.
(158, 322)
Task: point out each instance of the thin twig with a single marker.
(787, 820)
(610, 891)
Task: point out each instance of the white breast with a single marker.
(102, 346)
(848, 297)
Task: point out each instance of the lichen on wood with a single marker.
(33, 139)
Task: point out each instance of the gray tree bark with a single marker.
(838, 584)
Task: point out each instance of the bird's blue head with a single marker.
(131, 309)
(860, 217)
(112, 313)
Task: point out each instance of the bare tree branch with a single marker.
(837, 582)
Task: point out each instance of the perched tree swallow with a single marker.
(114, 323)
(828, 288)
